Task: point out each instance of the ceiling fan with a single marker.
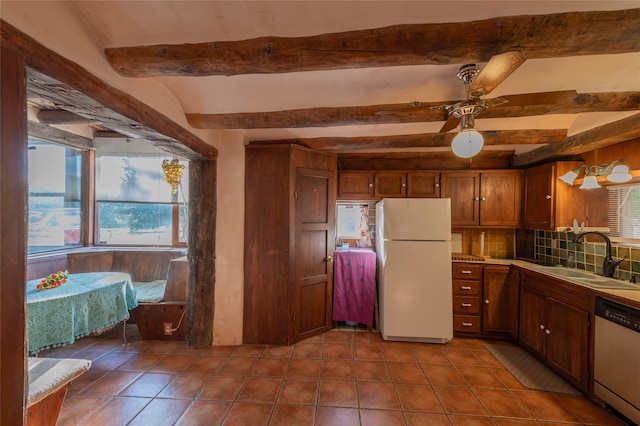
(479, 83)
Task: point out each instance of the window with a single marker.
(135, 205)
(55, 178)
(624, 211)
(352, 220)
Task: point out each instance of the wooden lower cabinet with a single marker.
(467, 293)
(500, 285)
(554, 326)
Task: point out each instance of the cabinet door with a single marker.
(500, 199)
(355, 186)
(533, 320)
(497, 301)
(538, 197)
(567, 344)
(463, 189)
(390, 184)
(423, 184)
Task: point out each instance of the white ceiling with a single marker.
(133, 23)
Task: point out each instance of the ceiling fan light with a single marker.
(590, 182)
(467, 143)
(619, 174)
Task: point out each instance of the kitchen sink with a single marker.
(588, 278)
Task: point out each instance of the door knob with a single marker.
(329, 259)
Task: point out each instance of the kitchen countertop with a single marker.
(631, 295)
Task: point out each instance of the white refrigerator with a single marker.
(413, 244)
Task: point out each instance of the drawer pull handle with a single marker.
(465, 271)
(466, 305)
(467, 324)
(464, 287)
(547, 331)
(541, 327)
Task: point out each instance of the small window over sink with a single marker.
(624, 212)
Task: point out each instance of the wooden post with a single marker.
(201, 255)
(13, 215)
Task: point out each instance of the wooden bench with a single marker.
(49, 379)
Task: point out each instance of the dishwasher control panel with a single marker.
(618, 313)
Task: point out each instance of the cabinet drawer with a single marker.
(466, 323)
(466, 288)
(466, 305)
(465, 271)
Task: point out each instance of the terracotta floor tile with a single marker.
(161, 412)
(372, 370)
(299, 391)
(308, 350)
(303, 367)
(185, 385)
(111, 360)
(237, 366)
(206, 364)
(204, 413)
(334, 416)
(502, 403)
(479, 377)
(406, 372)
(377, 395)
(148, 385)
(117, 411)
(85, 380)
(507, 378)
(418, 398)
(430, 354)
(366, 338)
(471, 421)
(381, 418)
(222, 351)
(248, 350)
(140, 362)
(338, 393)
(338, 337)
(368, 352)
(173, 363)
(76, 408)
(545, 406)
(400, 353)
(459, 400)
(587, 411)
(463, 357)
(423, 419)
(278, 351)
(319, 338)
(338, 369)
(248, 413)
(222, 388)
(446, 375)
(338, 351)
(489, 360)
(260, 389)
(521, 422)
(274, 367)
(111, 383)
(293, 415)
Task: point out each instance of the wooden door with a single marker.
(314, 247)
(463, 189)
(423, 184)
(533, 321)
(355, 186)
(567, 342)
(496, 301)
(390, 184)
(538, 197)
(500, 199)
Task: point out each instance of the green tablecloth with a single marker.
(87, 303)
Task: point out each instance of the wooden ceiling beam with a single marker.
(60, 116)
(426, 140)
(536, 36)
(441, 160)
(612, 133)
(53, 134)
(560, 102)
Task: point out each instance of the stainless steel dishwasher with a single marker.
(617, 357)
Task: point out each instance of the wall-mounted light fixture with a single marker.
(469, 141)
(614, 172)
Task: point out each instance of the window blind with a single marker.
(624, 211)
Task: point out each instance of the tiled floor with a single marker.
(339, 378)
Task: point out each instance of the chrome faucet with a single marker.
(609, 266)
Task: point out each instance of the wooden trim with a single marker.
(13, 245)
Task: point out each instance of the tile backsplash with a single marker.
(558, 248)
(498, 243)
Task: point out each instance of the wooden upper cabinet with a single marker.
(423, 184)
(490, 198)
(390, 184)
(550, 203)
(354, 185)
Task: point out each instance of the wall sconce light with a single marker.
(172, 173)
(614, 173)
(469, 141)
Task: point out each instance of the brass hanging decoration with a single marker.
(173, 173)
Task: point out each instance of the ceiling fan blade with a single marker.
(451, 123)
(541, 98)
(495, 72)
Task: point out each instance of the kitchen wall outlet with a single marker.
(168, 329)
